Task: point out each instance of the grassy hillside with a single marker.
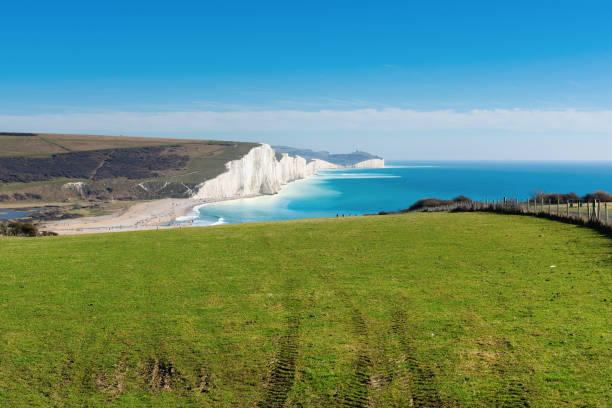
(432, 310)
(43, 144)
(36, 167)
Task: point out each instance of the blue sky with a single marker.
(410, 79)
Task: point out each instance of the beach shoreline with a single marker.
(158, 214)
(148, 215)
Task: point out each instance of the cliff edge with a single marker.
(264, 171)
(259, 172)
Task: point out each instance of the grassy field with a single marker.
(432, 310)
(45, 144)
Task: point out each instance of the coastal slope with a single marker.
(38, 167)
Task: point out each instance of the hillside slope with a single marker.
(55, 167)
(457, 310)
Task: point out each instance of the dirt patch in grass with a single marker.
(113, 384)
(162, 375)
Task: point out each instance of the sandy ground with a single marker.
(148, 215)
(142, 216)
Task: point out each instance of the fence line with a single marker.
(592, 213)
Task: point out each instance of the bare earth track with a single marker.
(355, 393)
(422, 379)
(282, 376)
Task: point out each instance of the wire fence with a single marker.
(593, 213)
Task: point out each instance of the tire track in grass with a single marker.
(512, 396)
(357, 390)
(282, 375)
(423, 381)
(512, 392)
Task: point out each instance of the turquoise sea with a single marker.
(400, 184)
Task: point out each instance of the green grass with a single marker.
(444, 309)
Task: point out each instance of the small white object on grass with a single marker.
(553, 266)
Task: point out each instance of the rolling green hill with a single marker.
(37, 167)
(459, 310)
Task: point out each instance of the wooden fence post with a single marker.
(588, 205)
(567, 209)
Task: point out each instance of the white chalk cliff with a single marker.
(369, 164)
(258, 172)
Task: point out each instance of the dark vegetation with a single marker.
(19, 197)
(17, 134)
(22, 229)
(599, 195)
(428, 204)
(132, 163)
(435, 202)
(556, 197)
(54, 213)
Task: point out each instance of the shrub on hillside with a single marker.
(435, 202)
(461, 199)
(22, 229)
(555, 197)
(425, 203)
(599, 196)
(572, 197)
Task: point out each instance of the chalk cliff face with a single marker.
(258, 172)
(369, 164)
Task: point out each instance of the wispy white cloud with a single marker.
(362, 120)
